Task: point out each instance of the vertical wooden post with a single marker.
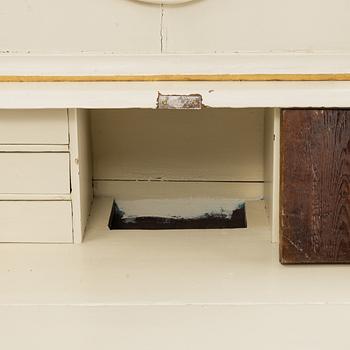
(81, 170)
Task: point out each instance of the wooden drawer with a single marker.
(37, 126)
(31, 221)
(37, 173)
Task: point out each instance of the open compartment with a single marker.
(177, 168)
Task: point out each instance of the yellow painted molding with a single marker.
(175, 77)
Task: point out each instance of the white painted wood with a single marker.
(34, 197)
(144, 95)
(203, 267)
(176, 64)
(34, 148)
(211, 144)
(256, 26)
(81, 170)
(204, 327)
(276, 178)
(272, 169)
(79, 27)
(40, 222)
(41, 173)
(41, 126)
(131, 190)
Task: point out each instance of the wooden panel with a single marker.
(132, 190)
(34, 148)
(36, 221)
(40, 173)
(81, 170)
(144, 94)
(226, 26)
(79, 27)
(315, 186)
(38, 126)
(210, 144)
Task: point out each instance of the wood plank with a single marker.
(144, 94)
(272, 168)
(34, 148)
(169, 77)
(136, 66)
(34, 197)
(315, 186)
(132, 190)
(81, 170)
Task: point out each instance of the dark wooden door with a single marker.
(315, 186)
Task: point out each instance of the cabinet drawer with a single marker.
(43, 221)
(37, 173)
(37, 126)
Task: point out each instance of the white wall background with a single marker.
(204, 26)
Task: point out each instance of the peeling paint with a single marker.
(193, 101)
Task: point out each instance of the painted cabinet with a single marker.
(35, 184)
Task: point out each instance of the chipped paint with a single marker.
(193, 101)
(179, 208)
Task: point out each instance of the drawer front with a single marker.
(30, 221)
(36, 173)
(37, 126)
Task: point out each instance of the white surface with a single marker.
(79, 26)
(34, 126)
(171, 64)
(172, 327)
(138, 289)
(34, 197)
(38, 173)
(34, 148)
(131, 190)
(81, 170)
(35, 221)
(211, 144)
(144, 95)
(189, 267)
(123, 26)
(254, 25)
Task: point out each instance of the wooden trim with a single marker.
(170, 77)
(34, 197)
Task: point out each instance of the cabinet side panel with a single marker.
(81, 170)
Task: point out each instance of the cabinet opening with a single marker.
(181, 169)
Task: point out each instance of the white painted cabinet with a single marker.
(35, 189)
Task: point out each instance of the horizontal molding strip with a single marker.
(159, 78)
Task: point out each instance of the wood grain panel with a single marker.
(315, 186)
